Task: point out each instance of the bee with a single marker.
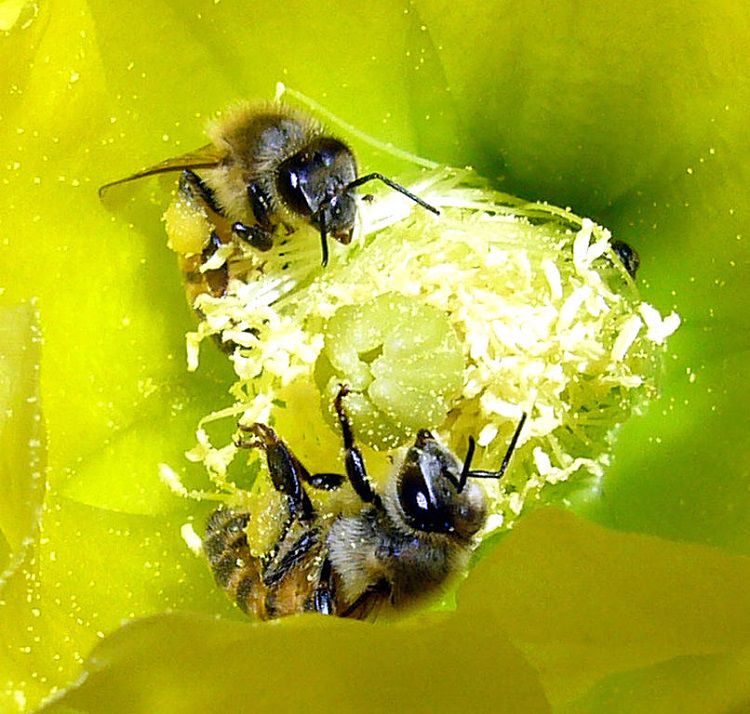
(628, 256)
(402, 544)
(268, 167)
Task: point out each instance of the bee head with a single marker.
(315, 183)
(431, 495)
(628, 256)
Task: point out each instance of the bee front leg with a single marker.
(355, 464)
(260, 236)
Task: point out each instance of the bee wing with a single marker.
(204, 158)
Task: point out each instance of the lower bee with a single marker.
(403, 544)
(268, 168)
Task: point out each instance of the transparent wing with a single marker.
(204, 158)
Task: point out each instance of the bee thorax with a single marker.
(367, 551)
(353, 544)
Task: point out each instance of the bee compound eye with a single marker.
(422, 509)
(292, 183)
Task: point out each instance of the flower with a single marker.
(499, 309)
(634, 116)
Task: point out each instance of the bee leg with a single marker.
(259, 236)
(355, 464)
(322, 600)
(325, 481)
(194, 187)
(287, 472)
(292, 558)
(260, 202)
(218, 279)
(256, 236)
(284, 578)
(270, 555)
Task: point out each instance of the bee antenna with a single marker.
(323, 237)
(467, 472)
(467, 465)
(395, 186)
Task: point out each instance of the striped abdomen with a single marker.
(296, 577)
(235, 568)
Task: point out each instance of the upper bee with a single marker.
(270, 166)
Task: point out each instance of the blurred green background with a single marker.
(631, 113)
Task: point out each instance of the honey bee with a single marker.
(628, 256)
(403, 544)
(268, 167)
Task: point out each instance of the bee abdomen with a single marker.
(234, 567)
